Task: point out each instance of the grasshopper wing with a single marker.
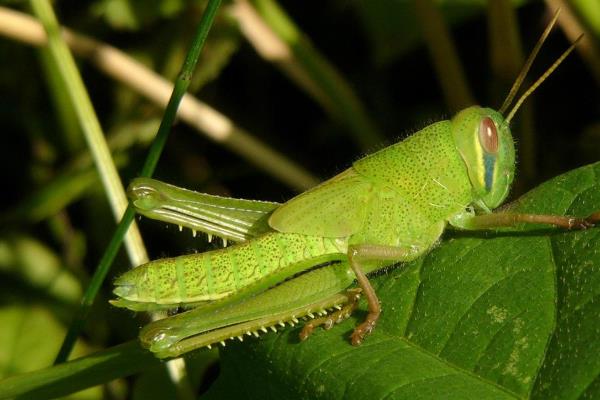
(232, 219)
(335, 208)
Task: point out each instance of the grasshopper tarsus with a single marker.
(573, 223)
(581, 223)
(306, 331)
(364, 329)
(592, 220)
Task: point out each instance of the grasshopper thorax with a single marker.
(485, 144)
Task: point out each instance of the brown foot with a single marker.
(364, 329)
(334, 318)
(592, 220)
(582, 223)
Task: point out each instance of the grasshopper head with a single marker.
(483, 137)
(485, 143)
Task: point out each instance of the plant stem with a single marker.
(181, 85)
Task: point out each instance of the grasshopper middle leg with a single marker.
(358, 255)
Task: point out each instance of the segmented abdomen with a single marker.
(254, 265)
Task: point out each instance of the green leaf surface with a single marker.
(30, 337)
(494, 315)
(69, 377)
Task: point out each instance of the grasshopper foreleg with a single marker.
(508, 219)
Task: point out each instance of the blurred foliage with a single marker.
(55, 221)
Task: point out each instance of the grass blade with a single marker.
(179, 90)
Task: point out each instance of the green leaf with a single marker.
(69, 377)
(28, 261)
(496, 315)
(31, 335)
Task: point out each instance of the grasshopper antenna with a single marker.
(521, 77)
(542, 79)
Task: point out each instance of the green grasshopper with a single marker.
(299, 258)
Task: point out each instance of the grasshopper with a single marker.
(298, 259)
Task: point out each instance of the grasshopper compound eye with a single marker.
(488, 135)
